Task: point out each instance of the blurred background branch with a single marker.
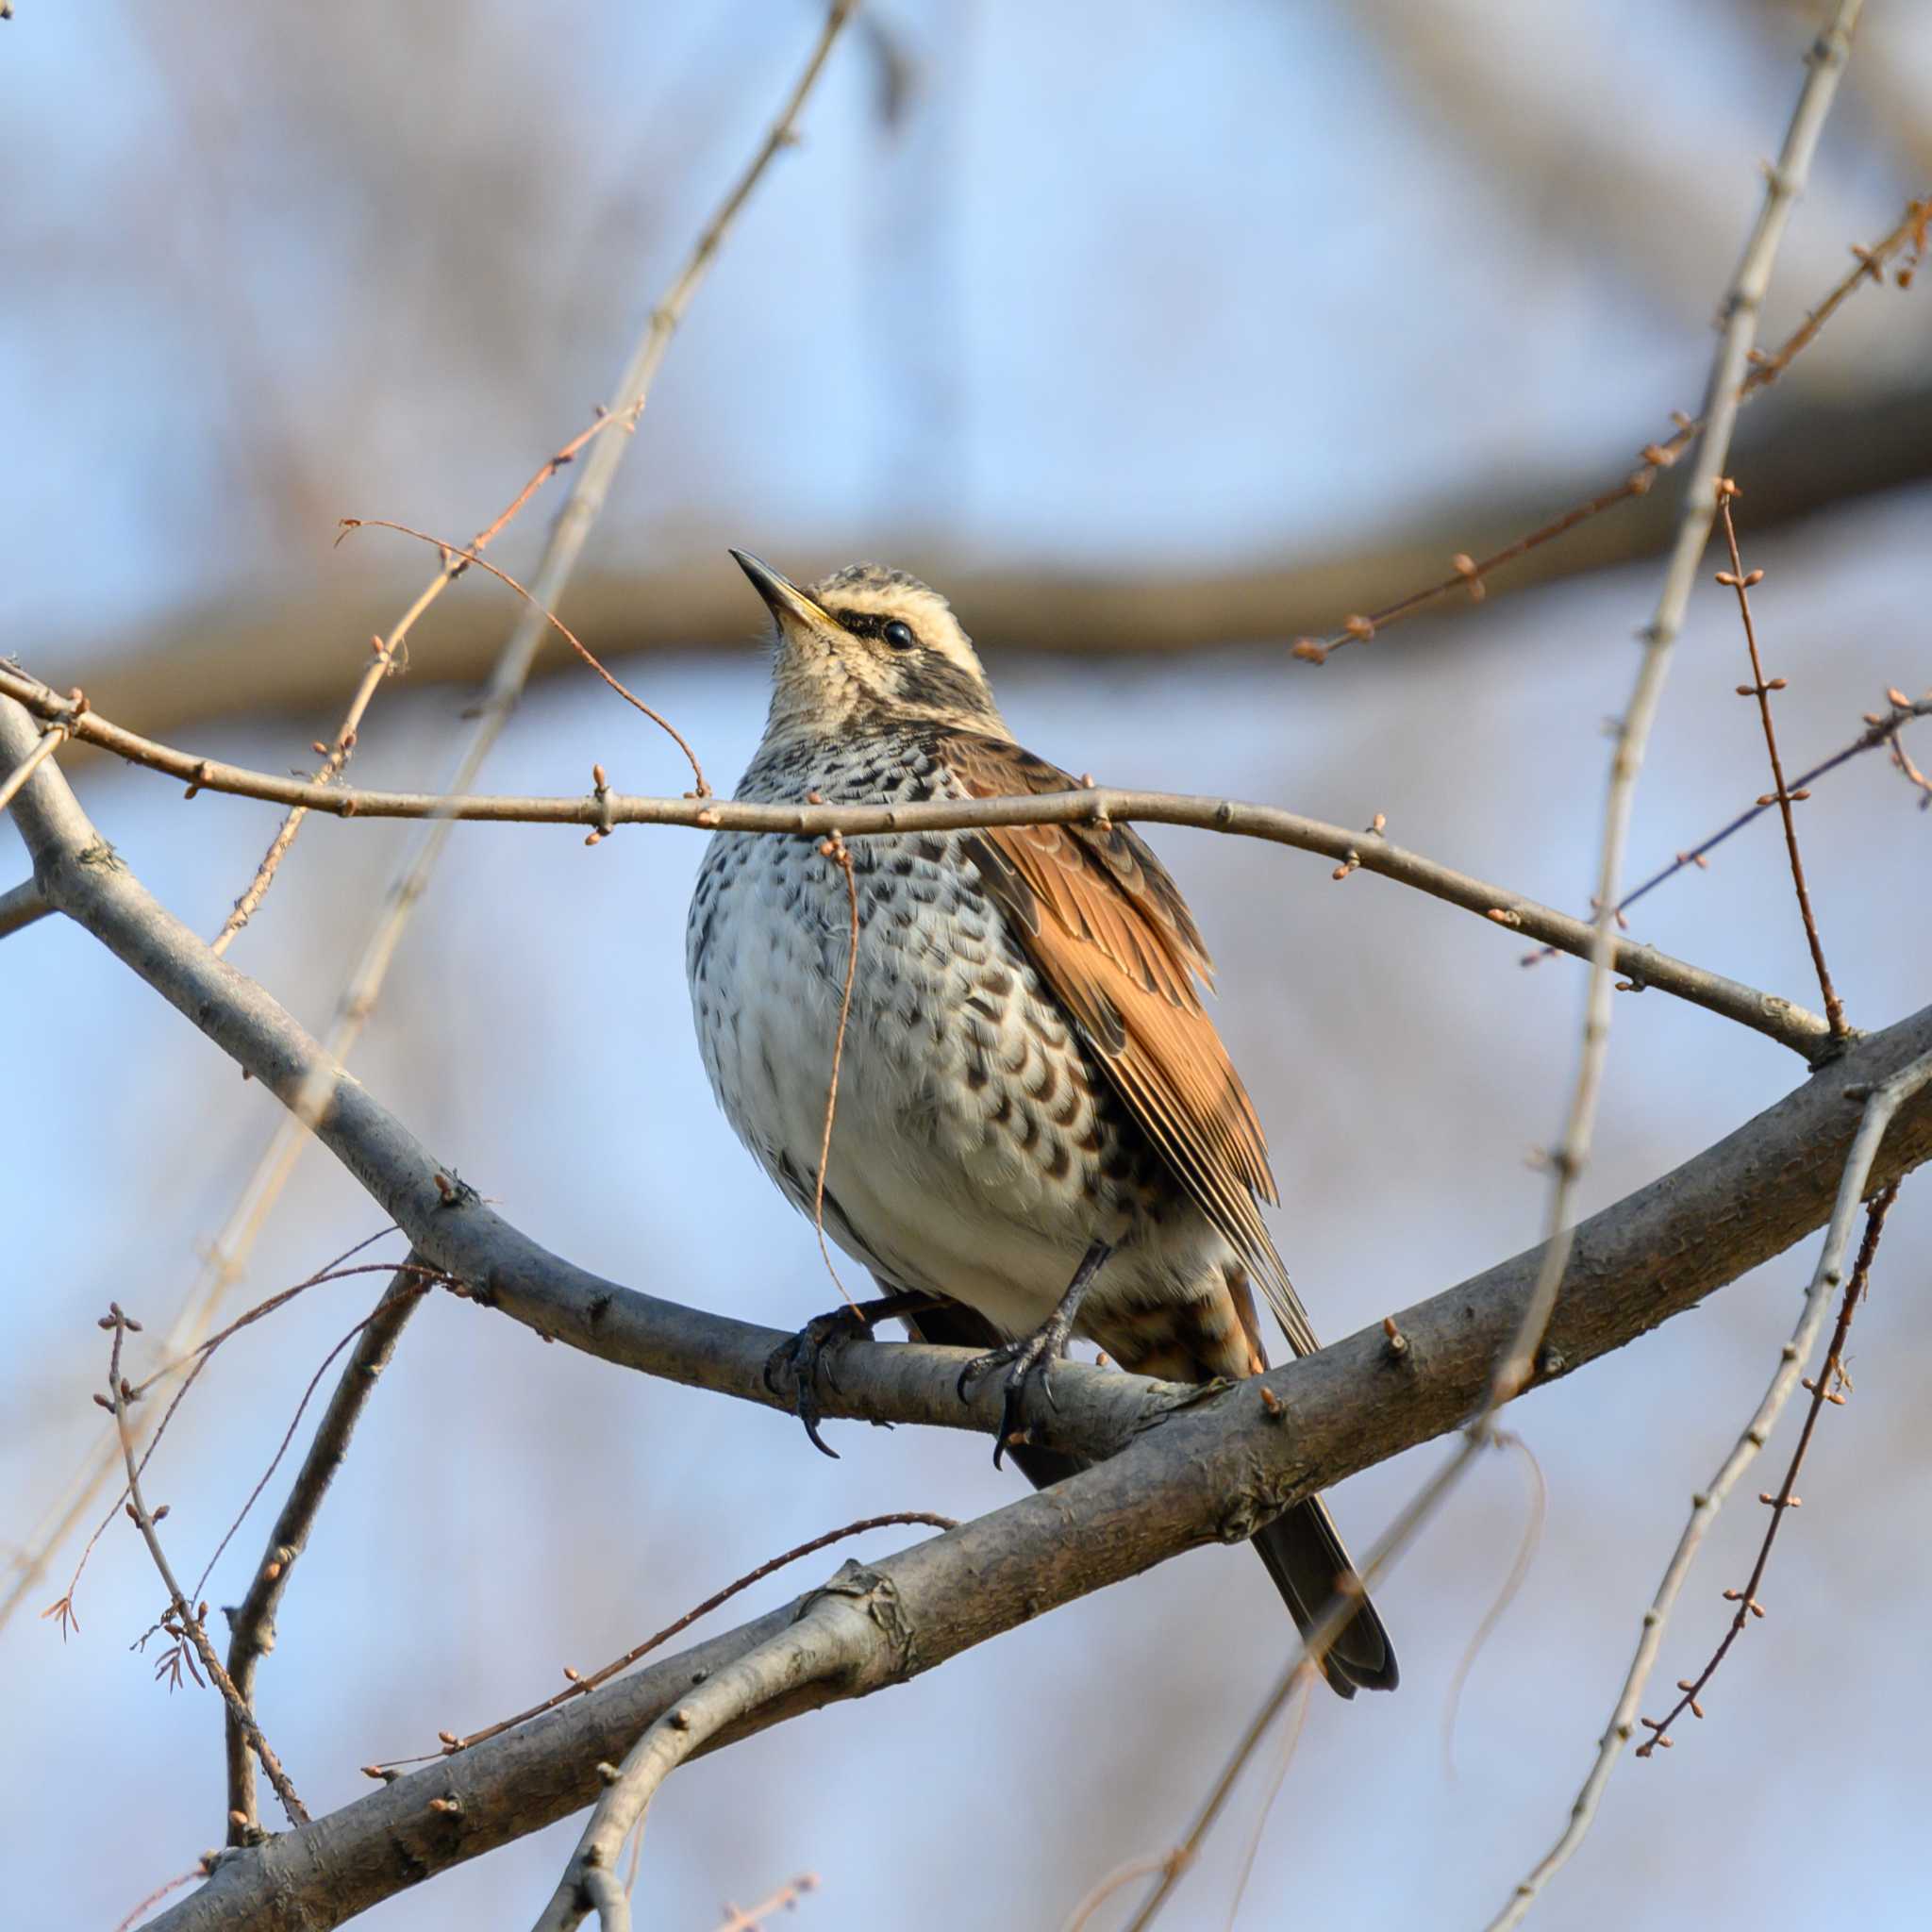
(292, 650)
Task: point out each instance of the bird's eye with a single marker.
(900, 636)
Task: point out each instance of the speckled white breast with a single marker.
(976, 1149)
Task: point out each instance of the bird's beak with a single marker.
(797, 615)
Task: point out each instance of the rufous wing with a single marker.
(1107, 930)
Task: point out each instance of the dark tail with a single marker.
(1302, 1550)
(1304, 1555)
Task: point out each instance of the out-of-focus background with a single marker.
(1255, 312)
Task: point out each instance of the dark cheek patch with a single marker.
(927, 681)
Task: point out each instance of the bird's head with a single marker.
(869, 646)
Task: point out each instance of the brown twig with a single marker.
(834, 847)
(1471, 573)
(199, 1870)
(1880, 728)
(1122, 1875)
(604, 419)
(417, 1281)
(251, 1627)
(749, 1918)
(551, 618)
(334, 756)
(188, 1623)
(1827, 1386)
(1901, 758)
(390, 655)
(1769, 1014)
(1172, 1865)
(194, 1362)
(45, 747)
(1760, 688)
(581, 1685)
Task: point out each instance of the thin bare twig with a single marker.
(834, 848)
(1472, 575)
(334, 756)
(188, 1368)
(1104, 1888)
(581, 1686)
(749, 1918)
(416, 1281)
(1769, 1014)
(1172, 1865)
(45, 747)
(1289, 1745)
(1333, 1618)
(832, 1635)
(1498, 1610)
(1784, 182)
(390, 655)
(1827, 1386)
(574, 524)
(199, 1870)
(1880, 1105)
(1896, 745)
(1881, 728)
(187, 1619)
(549, 617)
(1760, 688)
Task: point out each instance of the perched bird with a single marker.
(1039, 1131)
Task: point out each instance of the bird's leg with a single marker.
(1034, 1354)
(810, 1352)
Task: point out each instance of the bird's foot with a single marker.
(809, 1354)
(1025, 1363)
(1031, 1358)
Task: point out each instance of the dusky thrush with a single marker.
(1039, 1131)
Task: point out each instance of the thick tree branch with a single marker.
(1767, 1013)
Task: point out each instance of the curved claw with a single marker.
(1012, 1423)
(808, 1355)
(1034, 1354)
(1023, 1361)
(978, 1366)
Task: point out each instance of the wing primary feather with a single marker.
(1108, 931)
